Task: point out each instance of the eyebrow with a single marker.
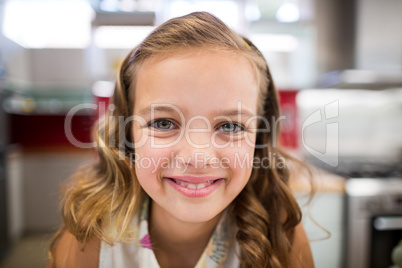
(164, 108)
(157, 108)
(234, 112)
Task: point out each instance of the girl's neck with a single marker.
(171, 237)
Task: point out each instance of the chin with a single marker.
(196, 214)
(197, 217)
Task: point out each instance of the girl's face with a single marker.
(194, 131)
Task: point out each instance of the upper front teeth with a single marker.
(194, 186)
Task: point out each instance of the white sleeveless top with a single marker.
(220, 251)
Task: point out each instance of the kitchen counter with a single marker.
(323, 181)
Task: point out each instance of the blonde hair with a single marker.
(265, 212)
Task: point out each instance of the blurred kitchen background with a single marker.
(337, 64)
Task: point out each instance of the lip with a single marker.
(194, 193)
(194, 179)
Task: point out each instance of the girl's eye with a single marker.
(162, 124)
(231, 127)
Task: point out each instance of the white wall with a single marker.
(59, 67)
(43, 173)
(326, 209)
(379, 35)
(33, 189)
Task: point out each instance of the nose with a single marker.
(195, 149)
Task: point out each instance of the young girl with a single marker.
(182, 178)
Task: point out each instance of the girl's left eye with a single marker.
(162, 124)
(231, 127)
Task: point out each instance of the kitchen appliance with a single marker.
(374, 220)
(363, 127)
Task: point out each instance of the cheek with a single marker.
(149, 162)
(240, 162)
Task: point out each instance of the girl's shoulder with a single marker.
(301, 255)
(70, 253)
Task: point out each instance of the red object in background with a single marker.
(289, 126)
(102, 106)
(48, 130)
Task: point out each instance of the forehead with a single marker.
(197, 82)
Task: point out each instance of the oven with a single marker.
(373, 220)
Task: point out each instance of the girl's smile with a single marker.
(191, 186)
(189, 105)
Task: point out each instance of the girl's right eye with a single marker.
(162, 124)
